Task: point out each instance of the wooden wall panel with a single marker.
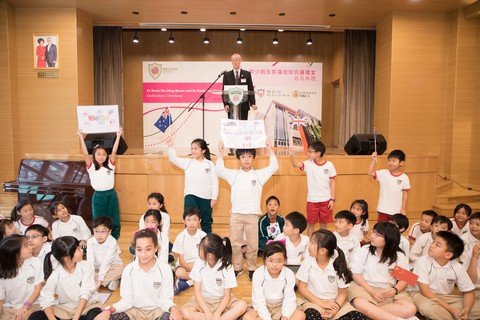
(257, 46)
(84, 58)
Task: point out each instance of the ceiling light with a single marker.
(164, 29)
(206, 40)
(135, 38)
(280, 30)
(171, 39)
(203, 29)
(242, 29)
(275, 39)
(239, 39)
(309, 40)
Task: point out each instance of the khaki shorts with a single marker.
(63, 312)
(274, 309)
(355, 291)
(140, 314)
(304, 305)
(114, 273)
(212, 304)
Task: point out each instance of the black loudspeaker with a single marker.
(105, 139)
(364, 144)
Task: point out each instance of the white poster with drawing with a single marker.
(98, 119)
(243, 134)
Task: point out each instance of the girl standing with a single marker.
(324, 279)
(21, 277)
(146, 289)
(214, 279)
(360, 230)
(101, 170)
(201, 181)
(70, 291)
(273, 294)
(375, 292)
(22, 216)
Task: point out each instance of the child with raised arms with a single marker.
(146, 290)
(461, 213)
(23, 216)
(273, 293)
(103, 253)
(68, 224)
(360, 229)
(423, 226)
(101, 170)
(185, 248)
(201, 181)
(21, 277)
(37, 237)
(271, 223)
(214, 279)
(323, 280)
(375, 292)
(70, 291)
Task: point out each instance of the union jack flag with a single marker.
(296, 121)
(164, 121)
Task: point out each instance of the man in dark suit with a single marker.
(238, 76)
(51, 53)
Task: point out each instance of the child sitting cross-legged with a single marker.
(295, 242)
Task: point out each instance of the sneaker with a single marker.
(113, 285)
(250, 274)
(238, 273)
(182, 285)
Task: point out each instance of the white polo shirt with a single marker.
(348, 245)
(318, 179)
(23, 227)
(213, 282)
(460, 231)
(442, 279)
(391, 188)
(268, 290)
(376, 274)
(246, 186)
(187, 245)
(404, 245)
(102, 179)
(46, 248)
(69, 288)
(15, 291)
(470, 241)
(75, 226)
(466, 263)
(324, 284)
(295, 254)
(146, 290)
(103, 255)
(200, 176)
(165, 224)
(358, 230)
(415, 231)
(420, 247)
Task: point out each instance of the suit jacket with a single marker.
(229, 79)
(51, 55)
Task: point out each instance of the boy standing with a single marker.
(185, 248)
(394, 185)
(421, 227)
(295, 242)
(103, 253)
(320, 185)
(344, 222)
(270, 224)
(246, 190)
(438, 272)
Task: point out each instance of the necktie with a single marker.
(237, 78)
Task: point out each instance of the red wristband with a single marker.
(27, 304)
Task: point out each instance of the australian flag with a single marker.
(164, 121)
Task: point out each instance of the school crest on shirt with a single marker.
(207, 170)
(75, 230)
(156, 284)
(331, 279)
(399, 181)
(300, 253)
(390, 270)
(451, 281)
(254, 182)
(218, 281)
(30, 279)
(325, 171)
(109, 172)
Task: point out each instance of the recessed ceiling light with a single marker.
(184, 12)
(233, 13)
(163, 29)
(280, 30)
(281, 14)
(332, 15)
(203, 29)
(242, 29)
(135, 12)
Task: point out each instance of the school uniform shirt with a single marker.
(460, 231)
(376, 274)
(246, 186)
(318, 179)
(103, 255)
(415, 231)
(348, 245)
(75, 226)
(404, 245)
(420, 247)
(391, 188)
(200, 176)
(358, 230)
(102, 179)
(442, 279)
(470, 241)
(146, 290)
(165, 224)
(213, 281)
(268, 290)
(23, 227)
(324, 284)
(187, 245)
(69, 287)
(295, 255)
(15, 291)
(46, 248)
(466, 263)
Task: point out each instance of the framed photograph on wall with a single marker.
(45, 51)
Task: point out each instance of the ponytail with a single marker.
(14, 216)
(341, 267)
(227, 253)
(221, 248)
(47, 265)
(203, 146)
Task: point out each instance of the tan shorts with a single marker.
(8, 313)
(114, 273)
(355, 291)
(304, 305)
(212, 304)
(140, 314)
(275, 310)
(63, 312)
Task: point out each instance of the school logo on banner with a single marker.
(235, 95)
(30, 279)
(331, 279)
(218, 281)
(155, 70)
(157, 284)
(260, 92)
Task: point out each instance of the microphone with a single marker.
(223, 72)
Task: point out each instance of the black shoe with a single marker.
(250, 274)
(238, 273)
